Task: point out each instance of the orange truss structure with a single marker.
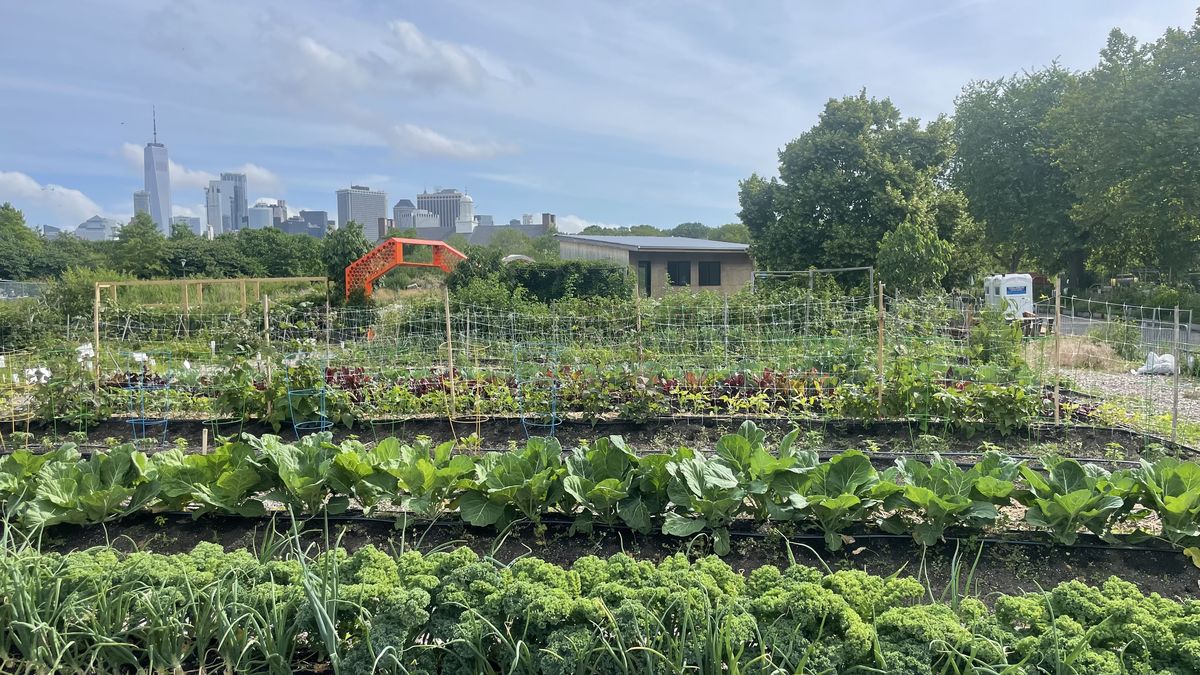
(389, 254)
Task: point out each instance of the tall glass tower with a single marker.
(158, 182)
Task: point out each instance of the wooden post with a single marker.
(879, 354)
(199, 295)
(266, 305)
(186, 310)
(96, 334)
(1175, 384)
(204, 440)
(449, 347)
(1057, 331)
(637, 305)
(242, 283)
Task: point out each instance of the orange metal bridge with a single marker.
(389, 254)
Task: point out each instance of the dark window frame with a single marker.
(705, 280)
(681, 280)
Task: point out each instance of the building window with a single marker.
(643, 277)
(710, 273)
(680, 272)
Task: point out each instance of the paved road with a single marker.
(1152, 332)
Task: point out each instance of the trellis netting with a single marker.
(761, 357)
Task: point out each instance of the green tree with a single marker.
(693, 230)
(843, 184)
(1005, 168)
(510, 242)
(736, 233)
(1129, 137)
(142, 248)
(912, 258)
(339, 248)
(19, 245)
(67, 250)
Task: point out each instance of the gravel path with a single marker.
(1156, 388)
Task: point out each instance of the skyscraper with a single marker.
(158, 182)
(261, 216)
(238, 218)
(190, 222)
(141, 202)
(445, 203)
(219, 206)
(316, 220)
(362, 205)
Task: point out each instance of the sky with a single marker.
(607, 112)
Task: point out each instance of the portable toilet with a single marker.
(1014, 294)
(991, 292)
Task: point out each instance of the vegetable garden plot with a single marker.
(454, 612)
(745, 483)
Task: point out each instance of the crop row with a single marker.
(682, 493)
(455, 612)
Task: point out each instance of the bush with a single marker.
(74, 294)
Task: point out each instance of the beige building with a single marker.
(661, 263)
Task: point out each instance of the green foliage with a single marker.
(1125, 337)
(19, 244)
(452, 611)
(340, 248)
(938, 494)
(142, 248)
(856, 175)
(1072, 495)
(912, 258)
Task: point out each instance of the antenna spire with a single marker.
(154, 121)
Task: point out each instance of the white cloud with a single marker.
(410, 139)
(59, 205)
(432, 62)
(574, 223)
(259, 178)
(182, 178)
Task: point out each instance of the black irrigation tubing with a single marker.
(739, 534)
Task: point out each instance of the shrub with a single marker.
(1124, 337)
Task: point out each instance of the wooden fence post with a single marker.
(96, 335)
(449, 347)
(879, 354)
(1057, 332)
(1175, 384)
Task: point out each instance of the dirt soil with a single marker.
(701, 434)
(1002, 567)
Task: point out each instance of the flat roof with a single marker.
(635, 243)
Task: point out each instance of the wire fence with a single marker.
(815, 358)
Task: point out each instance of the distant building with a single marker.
(278, 208)
(425, 220)
(316, 220)
(528, 226)
(98, 228)
(445, 203)
(238, 215)
(261, 217)
(298, 225)
(141, 202)
(482, 220)
(382, 225)
(662, 263)
(220, 211)
(402, 214)
(362, 205)
(465, 222)
(190, 222)
(50, 231)
(157, 169)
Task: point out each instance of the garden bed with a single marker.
(1024, 565)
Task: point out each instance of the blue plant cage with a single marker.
(536, 373)
(307, 392)
(147, 394)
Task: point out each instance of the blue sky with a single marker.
(602, 112)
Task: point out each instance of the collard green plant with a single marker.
(1172, 489)
(939, 494)
(1070, 496)
(706, 494)
(509, 485)
(842, 492)
(600, 481)
(427, 476)
(227, 480)
(100, 488)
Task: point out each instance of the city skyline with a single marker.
(608, 114)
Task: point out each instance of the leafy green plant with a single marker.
(839, 493)
(600, 481)
(525, 483)
(1071, 495)
(102, 487)
(706, 495)
(427, 476)
(227, 480)
(939, 494)
(1172, 489)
